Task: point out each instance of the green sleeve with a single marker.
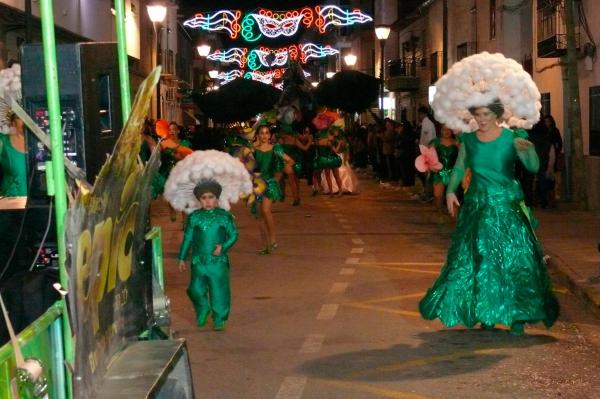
(231, 231)
(434, 142)
(528, 157)
(278, 150)
(459, 170)
(187, 239)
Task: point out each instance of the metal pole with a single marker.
(28, 21)
(123, 59)
(58, 167)
(381, 76)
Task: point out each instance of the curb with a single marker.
(589, 294)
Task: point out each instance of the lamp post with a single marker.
(382, 32)
(350, 60)
(157, 13)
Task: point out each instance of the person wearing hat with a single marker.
(210, 232)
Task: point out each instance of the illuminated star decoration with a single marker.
(334, 15)
(235, 54)
(220, 20)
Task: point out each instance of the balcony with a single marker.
(551, 29)
(402, 75)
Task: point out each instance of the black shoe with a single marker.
(296, 202)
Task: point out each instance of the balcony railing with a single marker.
(551, 29)
(402, 75)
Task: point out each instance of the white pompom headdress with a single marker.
(10, 83)
(202, 166)
(480, 80)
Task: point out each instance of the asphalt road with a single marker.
(333, 314)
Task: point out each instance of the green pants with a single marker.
(209, 288)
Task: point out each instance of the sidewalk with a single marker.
(571, 240)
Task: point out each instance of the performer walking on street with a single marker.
(495, 271)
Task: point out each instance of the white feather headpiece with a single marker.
(200, 166)
(479, 80)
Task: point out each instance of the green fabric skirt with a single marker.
(494, 271)
(326, 158)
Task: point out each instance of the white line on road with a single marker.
(357, 241)
(347, 271)
(328, 311)
(346, 226)
(313, 343)
(291, 388)
(357, 250)
(342, 220)
(337, 215)
(352, 261)
(338, 288)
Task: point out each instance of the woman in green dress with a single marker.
(326, 160)
(447, 151)
(495, 271)
(267, 156)
(13, 162)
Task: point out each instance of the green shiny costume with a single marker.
(447, 155)
(494, 271)
(210, 274)
(325, 157)
(266, 164)
(14, 169)
(167, 161)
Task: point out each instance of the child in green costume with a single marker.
(210, 232)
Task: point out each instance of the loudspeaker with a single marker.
(88, 80)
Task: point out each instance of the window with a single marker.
(546, 109)
(492, 19)
(462, 51)
(595, 120)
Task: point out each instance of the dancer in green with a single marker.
(210, 232)
(494, 272)
(12, 161)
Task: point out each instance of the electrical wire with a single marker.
(48, 224)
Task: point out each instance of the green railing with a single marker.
(41, 340)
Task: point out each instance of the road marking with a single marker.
(371, 304)
(337, 215)
(291, 388)
(357, 241)
(386, 310)
(399, 269)
(346, 226)
(343, 220)
(371, 389)
(347, 271)
(328, 311)
(357, 250)
(352, 261)
(313, 343)
(338, 288)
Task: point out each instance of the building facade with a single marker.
(533, 32)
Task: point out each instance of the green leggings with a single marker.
(209, 288)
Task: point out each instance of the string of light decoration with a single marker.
(273, 24)
(268, 58)
(267, 77)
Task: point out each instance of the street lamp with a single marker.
(157, 13)
(382, 32)
(330, 75)
(350, 59)
(315, 84)
(203, 50)
(213, 73)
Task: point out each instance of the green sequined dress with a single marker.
(494, 271)
(447, 155)
(325, 157)
(14, 169)
(209, 288)
(267, 166)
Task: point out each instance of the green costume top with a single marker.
(204, 230)
(14, 169)
(494, 271)
(447, 155)
(267, 165)
(325, 156)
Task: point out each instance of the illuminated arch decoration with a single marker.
(311, 50)
(227, 20)
(235, 54)
(228, 76)
(331, 15)
(265, 57)
(273, 24)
